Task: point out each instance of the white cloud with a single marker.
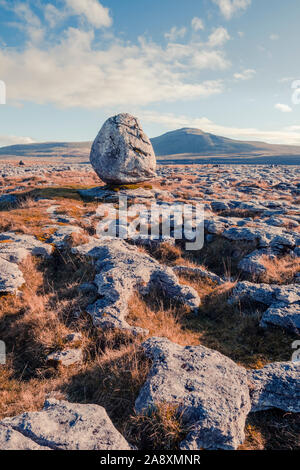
(218, 37)
(14, 140)
(274, 37)
(230, 7)
(31, 23)
(284, 108)
(293, 128)
(197, 24)
(74, 72)
(241, 34)
(175, 33)
(95, 13)
(52, 15)
(171, 122)
(245, 75)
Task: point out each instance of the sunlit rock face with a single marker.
(122, 153)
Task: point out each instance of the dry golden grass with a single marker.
(161, 321)
(163, 429)
(115, 367)
(28, 219)
(272, 430)
(279, 270)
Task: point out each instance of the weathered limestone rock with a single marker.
(276, 386)
(198, 271)
(283, 315)
(209, 389)
(121, 270)
(122, 153)
(15, 247)
(66, 358)
(11, 278)
(65, 426)
(266, 293)
(61, 235)
(14, 440)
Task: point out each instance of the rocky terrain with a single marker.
(140, 342)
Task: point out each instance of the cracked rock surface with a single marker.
(276, 385)
(62, 426)
(209, 388)
(122, 153)
(121, 270)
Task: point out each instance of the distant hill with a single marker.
(196, 142)
(181, 146)
(47, 150)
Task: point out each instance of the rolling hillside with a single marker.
(180, 146)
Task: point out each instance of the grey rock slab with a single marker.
(61, 235)
(14, 440)
(123, 269)
(276, 385)
(198, 271)
(108, 195)
(11, 277)
(69, 426)
(266, 293)
(208, 388)
(11, 241)
(252, 263)
(122, 153)
(66, 358)
(283, 315)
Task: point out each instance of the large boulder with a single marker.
(208, 388)
(62, 426)
(122, 153)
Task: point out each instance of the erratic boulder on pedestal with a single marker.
(122, 153)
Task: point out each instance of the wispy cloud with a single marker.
(75, 72)
(94, 12)
(245, 75)
(229, 7)
(197, 24)
(175, 33)
(218, 37)
(284, 108)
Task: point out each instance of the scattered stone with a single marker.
(73, 337)
(67, 426)
(208, 388)
(62, 234)
(66, 358)
(122, 153)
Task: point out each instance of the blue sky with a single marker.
(225, 66)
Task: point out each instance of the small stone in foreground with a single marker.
(66, 358)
